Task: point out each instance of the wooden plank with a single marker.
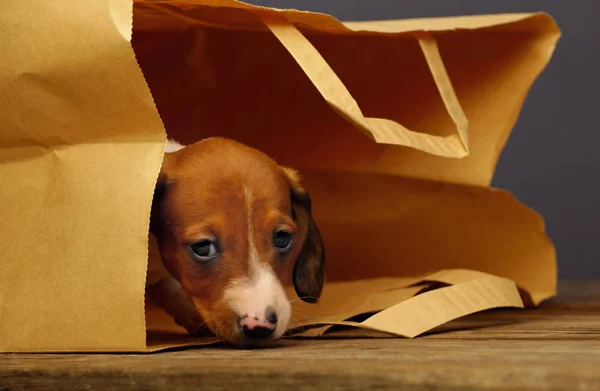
(555, 347)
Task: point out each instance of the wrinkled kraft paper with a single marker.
(396, 127)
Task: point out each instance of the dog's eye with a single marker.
(204, 250)
(282, 240)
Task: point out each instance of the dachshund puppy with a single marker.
(229, 229)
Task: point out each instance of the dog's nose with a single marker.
(271, 316)
(258, 332)
(259, 327)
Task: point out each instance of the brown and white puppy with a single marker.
(229, 229)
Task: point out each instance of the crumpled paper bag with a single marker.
(396, 127)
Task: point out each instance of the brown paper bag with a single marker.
(396, 127)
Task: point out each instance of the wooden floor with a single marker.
(556, 347)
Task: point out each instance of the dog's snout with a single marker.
(259, 327)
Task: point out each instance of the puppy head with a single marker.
(234, 228)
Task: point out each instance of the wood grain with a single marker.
(554, 347)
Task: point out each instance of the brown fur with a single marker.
(200, 194)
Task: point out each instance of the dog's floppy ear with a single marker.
(309, 270)
(160, 189)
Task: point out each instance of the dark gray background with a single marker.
(551, 162)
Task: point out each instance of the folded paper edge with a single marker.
(469, 290)
(127, 33)
(450, 277)
(498, 292)
(393, 26)
(450, 23)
